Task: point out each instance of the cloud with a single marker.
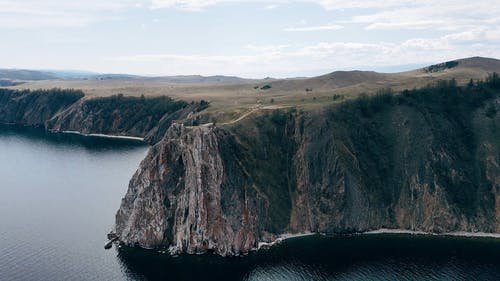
(271, 7)
(361, 4)
(314, 28)
(59, 13)
(425, 44)
(317, 58)
(374, 15)
(191, 5)
(391, 32)
(440, 15)
(378, 15)
(197, 5)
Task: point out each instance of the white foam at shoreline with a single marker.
(456, 233)
(282, 238)
(286, 236)
(101, 135)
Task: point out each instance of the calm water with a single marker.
(59, 194)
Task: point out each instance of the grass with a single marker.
(226, 99)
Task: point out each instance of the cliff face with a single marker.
(34, 108)
(68, 110)
(388, 162)
(400, 168)
(190, 196)
(119, 115)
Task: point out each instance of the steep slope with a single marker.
(190, 196)
(34, 108)
(68, 110)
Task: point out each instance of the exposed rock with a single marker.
(181, 198)
(68, 110)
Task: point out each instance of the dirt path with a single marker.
(257, 108)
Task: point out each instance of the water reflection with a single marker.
(59, 195)
(91, 143)
(377, 257)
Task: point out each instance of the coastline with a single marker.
(79, 133)
(281, 238)
(100, 135)
(410, 232)
(287, 236)
(174, 251)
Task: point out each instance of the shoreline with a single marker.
(281, 238)
(100, 135)
(174, 251)
(410, 232)
(78, 133)
(288, 236)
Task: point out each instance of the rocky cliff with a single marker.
(191, 195)
(426, 160)
(68, 110)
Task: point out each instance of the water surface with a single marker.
(59, 195)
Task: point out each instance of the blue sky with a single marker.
(253, 38)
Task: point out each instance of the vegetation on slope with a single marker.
(373, 146)
(65, 110)
(268, 147)
(441, 66)
(367, 126)
(34, 107)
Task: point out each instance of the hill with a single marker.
(233, 96)
(23, 74)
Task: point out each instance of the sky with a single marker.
(247, 38)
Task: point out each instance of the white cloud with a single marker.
(457, 28)
(381, 15)
(440, 15)
(268, 48)
(312, 59)
(466, 36)
(373, 14)
(192, 5)
(59, 13)
(428, 44)
(314, 28)
(271, 7)
(318, 58)
(197, 5)
(361, 4)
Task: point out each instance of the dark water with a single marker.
(59, 194)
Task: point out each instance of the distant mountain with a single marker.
(472, 63)
(198, 79)
(72, 74)
(37, 75)
(24, 74)
(346, 81)
(355, 82)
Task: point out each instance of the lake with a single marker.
(59, 195)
